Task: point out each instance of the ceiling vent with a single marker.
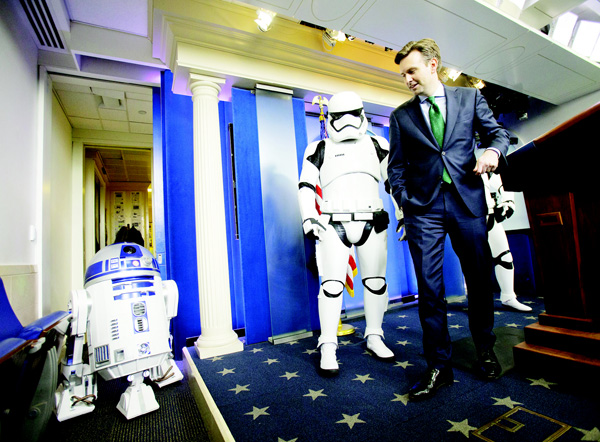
(43, 24)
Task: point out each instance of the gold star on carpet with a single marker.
(314, 394)
(289, 375)
(270, 361)
(226, 371)
(541, 382)
(256, 350)
(456, 326)
(450, 315)
(402, 316)
(513, 325)
(403, 364)
(256, 412)
(345, 342)
(531, 318)
(498, 313)
(506, 401)
(293, 342)
(461, 427)
(240, 388)
(401, 398)
(593, 434)
(528, 302)
(402, 327)
(311, 351)
(282, 440)
(363, 378)
(217, 358)
(402, 342)
(351, 420)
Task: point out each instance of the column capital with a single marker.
(196, 80)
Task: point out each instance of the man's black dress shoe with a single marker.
(433, 379)
(489, 367)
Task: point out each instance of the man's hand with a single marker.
(487, 162)
(504, 210)
(400, 227)
(313, 228)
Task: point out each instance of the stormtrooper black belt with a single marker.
(378, 220)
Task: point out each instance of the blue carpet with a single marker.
(273, 392)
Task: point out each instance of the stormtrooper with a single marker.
(119, 327)
(344, 170)
(501, 206)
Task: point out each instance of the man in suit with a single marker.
(436, 180)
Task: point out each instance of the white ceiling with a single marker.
(111, 39)
(99, 105)
(474, 37)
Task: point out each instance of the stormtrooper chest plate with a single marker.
(349, 157)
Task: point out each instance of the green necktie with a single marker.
(437, 127)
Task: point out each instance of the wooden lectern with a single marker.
(558, 173)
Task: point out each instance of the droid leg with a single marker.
(372, 257)
(78, 391)
(166, 373)
(332, 259)
(138, 399)
(504, 268)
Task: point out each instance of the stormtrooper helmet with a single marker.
(346, 118)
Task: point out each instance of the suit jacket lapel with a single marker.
(452, 110)
(416, 114)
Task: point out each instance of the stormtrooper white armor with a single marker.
(501, 206)
(347, 167)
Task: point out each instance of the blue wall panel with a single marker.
(180, 222)
(158, 207)
(233, 246)
(252, 239)
(312, 274)
(284, 239)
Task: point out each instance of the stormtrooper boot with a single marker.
(376, 345)
(329, 365)
(375, 308)
(329, 317)
(513, 303)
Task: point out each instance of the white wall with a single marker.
(35, 180)
(18, 143)
(57, 198)
(18, 160)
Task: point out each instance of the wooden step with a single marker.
(568, 340)
(583, 324)
(539, 359)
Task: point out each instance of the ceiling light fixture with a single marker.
(331, 37)
(477, 83)
(264, 20)
(453, 74)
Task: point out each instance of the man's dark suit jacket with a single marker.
(416, 162)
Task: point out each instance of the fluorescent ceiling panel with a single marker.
(563, 28)
(585, 38)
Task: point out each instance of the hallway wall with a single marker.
(18, 165)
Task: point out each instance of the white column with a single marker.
(218, 337)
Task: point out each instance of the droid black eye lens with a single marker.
(130, 250)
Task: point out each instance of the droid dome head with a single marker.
(346, 118)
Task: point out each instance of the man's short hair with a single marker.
(426, 46)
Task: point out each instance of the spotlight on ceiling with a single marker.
(476, 82)
(453, 74)
(331, 37)
(264, 19)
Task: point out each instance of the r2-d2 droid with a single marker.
(124, 311)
